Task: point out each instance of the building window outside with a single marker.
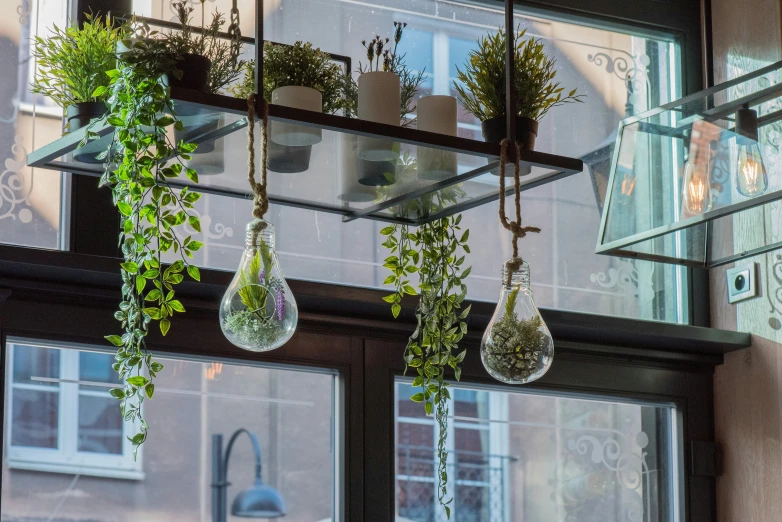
(67, 457)
(62, 418)
(522, 456)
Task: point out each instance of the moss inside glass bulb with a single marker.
(516, 345)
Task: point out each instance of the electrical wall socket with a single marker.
(742, 282)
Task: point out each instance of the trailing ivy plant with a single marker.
(434, 251)
(140, 162)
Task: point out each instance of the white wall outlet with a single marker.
(742, 282)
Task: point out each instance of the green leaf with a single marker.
(116, 122)
(418, 397)
(124, 208)
(165, 325)
(129, 267)
(194, 223)
(156, 367)
(153, 312)
(149, 390)
(117, 393)
(116, 340)
(428, 408)
(137, 380)
(193, 271)
(176, 306)
(99, 91)
(387, 231)
(395, 310)
(390, 298)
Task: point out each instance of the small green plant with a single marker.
(140, 161)
(380, 56)
(481, 85)
(434, 252)
(223, 54)
(72, 63)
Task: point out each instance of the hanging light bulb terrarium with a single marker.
(751, 177)
(517, 346)
(258, 311)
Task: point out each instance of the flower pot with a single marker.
(379, 100)
(376, 173)
(291, 134)
(195, 72)
(209, 158)
(197, 125)
(436, 114)
(80, 115)
(494, 130)
(351, 189)
(287, 160)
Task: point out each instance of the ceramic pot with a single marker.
(494, 130)
(209, 158)
(376, 173)
(351, 189)
(197, 125)
(288, 160)
(80, 115)
(291, 134)
(436, 114)
(379, 100)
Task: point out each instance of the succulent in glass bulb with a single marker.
(517, 347)
(258, 312)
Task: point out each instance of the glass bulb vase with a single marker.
(517, 347)
(258, 312)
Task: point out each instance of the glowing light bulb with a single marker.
(751, 178)
(517, 347)
(697, 189)
(258, 312)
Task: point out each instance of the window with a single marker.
(62, 417)
(523, 456)
(620, 72)
(31, 209)
(64, 438)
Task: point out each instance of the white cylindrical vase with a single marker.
(291, 134)
(438, 114)
(350, 189)
(379, 100)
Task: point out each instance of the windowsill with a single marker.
(54, 113)
(71, 469)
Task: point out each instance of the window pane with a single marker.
(100, 425)
(619, 72)
(34, 420)
(289, 412)
(521, 456)
(32, 362)
(30, 199)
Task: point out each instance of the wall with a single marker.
(748, 387)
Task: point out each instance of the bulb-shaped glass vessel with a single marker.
(696, 191)
(258, 311)
(517, 347)
(751, 178)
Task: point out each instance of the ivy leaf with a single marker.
(428, 408)
(194, 223)
(193, 271)
(124, 208)
(418, 397)
(176, 306)
(137, 380)
(99, 91)
(149, 390)
(129, 267)
(156, 367)
(165, 325)
(396, 309)
(116, 340)
(117, 393)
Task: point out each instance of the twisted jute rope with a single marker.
(260, 198)
(518, 231)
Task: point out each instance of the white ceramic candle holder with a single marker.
(291, 134)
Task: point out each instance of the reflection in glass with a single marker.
(34, 422)
(100, 425)
(32, 361)
(751, 178)
(696, 191)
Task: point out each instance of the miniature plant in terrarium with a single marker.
(258, 312)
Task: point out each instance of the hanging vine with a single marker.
(435, 252)
(140, 161)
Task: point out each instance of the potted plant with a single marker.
(481, 86)
(299, 76)
(72, 64)
(385, 93)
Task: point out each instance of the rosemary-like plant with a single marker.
(433, 251)
(72, 62)
(223, 54)
(481, 85)
(140, 161)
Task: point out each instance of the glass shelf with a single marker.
(673, 195)
(356, 168)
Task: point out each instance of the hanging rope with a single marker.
(515, 227)
(260, 199)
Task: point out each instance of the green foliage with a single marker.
(433, 251)
(378, 55)
(481, 85)
(139, 162)
(72, 63)
(224, 54)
